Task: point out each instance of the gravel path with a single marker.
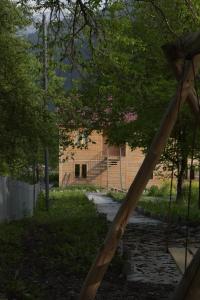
(151, 273)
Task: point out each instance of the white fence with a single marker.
(17, 199)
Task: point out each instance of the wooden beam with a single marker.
(187, 46)
(189, 287)
(193, 104)
(177, 62)
(117, 228)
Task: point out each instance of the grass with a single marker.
(81, 187)
(178, 212)
(43, 256)
(155, 202)
(117, 196)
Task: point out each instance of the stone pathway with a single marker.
(107, 206)
(144, 242)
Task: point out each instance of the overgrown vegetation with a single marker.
(44, 256)
(155, 202)
(82, 187)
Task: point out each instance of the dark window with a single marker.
(77, 170)
(84, 171)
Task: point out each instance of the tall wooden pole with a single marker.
(46, 151)
(120, 167)
(117, 228)
(199, 183)
(107, 167)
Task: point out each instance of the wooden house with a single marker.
(100, 164)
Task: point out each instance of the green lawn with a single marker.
(46, 256)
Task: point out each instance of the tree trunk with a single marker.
(199, 187)
(180, 179)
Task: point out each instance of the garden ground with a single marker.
(48, 255)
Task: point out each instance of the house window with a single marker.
(84, 171)
(77, 170)
(80, 171)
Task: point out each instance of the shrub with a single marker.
(194, 192)
(54, 178)
(162, 191)
(117, 196)
(153, 191)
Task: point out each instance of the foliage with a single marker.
(117, 196)
(155, 202)
(153, 191)
(127, 75)
(20, 106)
(162, 191)
(39, 255)
(125, 82)
(26, 126)
(178, 212)
(54, 178)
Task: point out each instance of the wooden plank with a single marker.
(135, 191)
(178, 255)
(189, 287)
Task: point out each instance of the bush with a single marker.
(54, 178)
(194, 192)
(117, 196)
(160, 208)
(162, 191)
(153, 191)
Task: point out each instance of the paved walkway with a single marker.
(144, 241)
(107, 206)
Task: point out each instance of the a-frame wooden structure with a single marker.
(184, 57)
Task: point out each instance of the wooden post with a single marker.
(107, 167)
(120, 167)
(117, 228)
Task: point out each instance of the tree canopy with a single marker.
(25, 126)
(126, 82)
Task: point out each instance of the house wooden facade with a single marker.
(101, 164)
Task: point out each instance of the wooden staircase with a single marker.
(97, 167)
